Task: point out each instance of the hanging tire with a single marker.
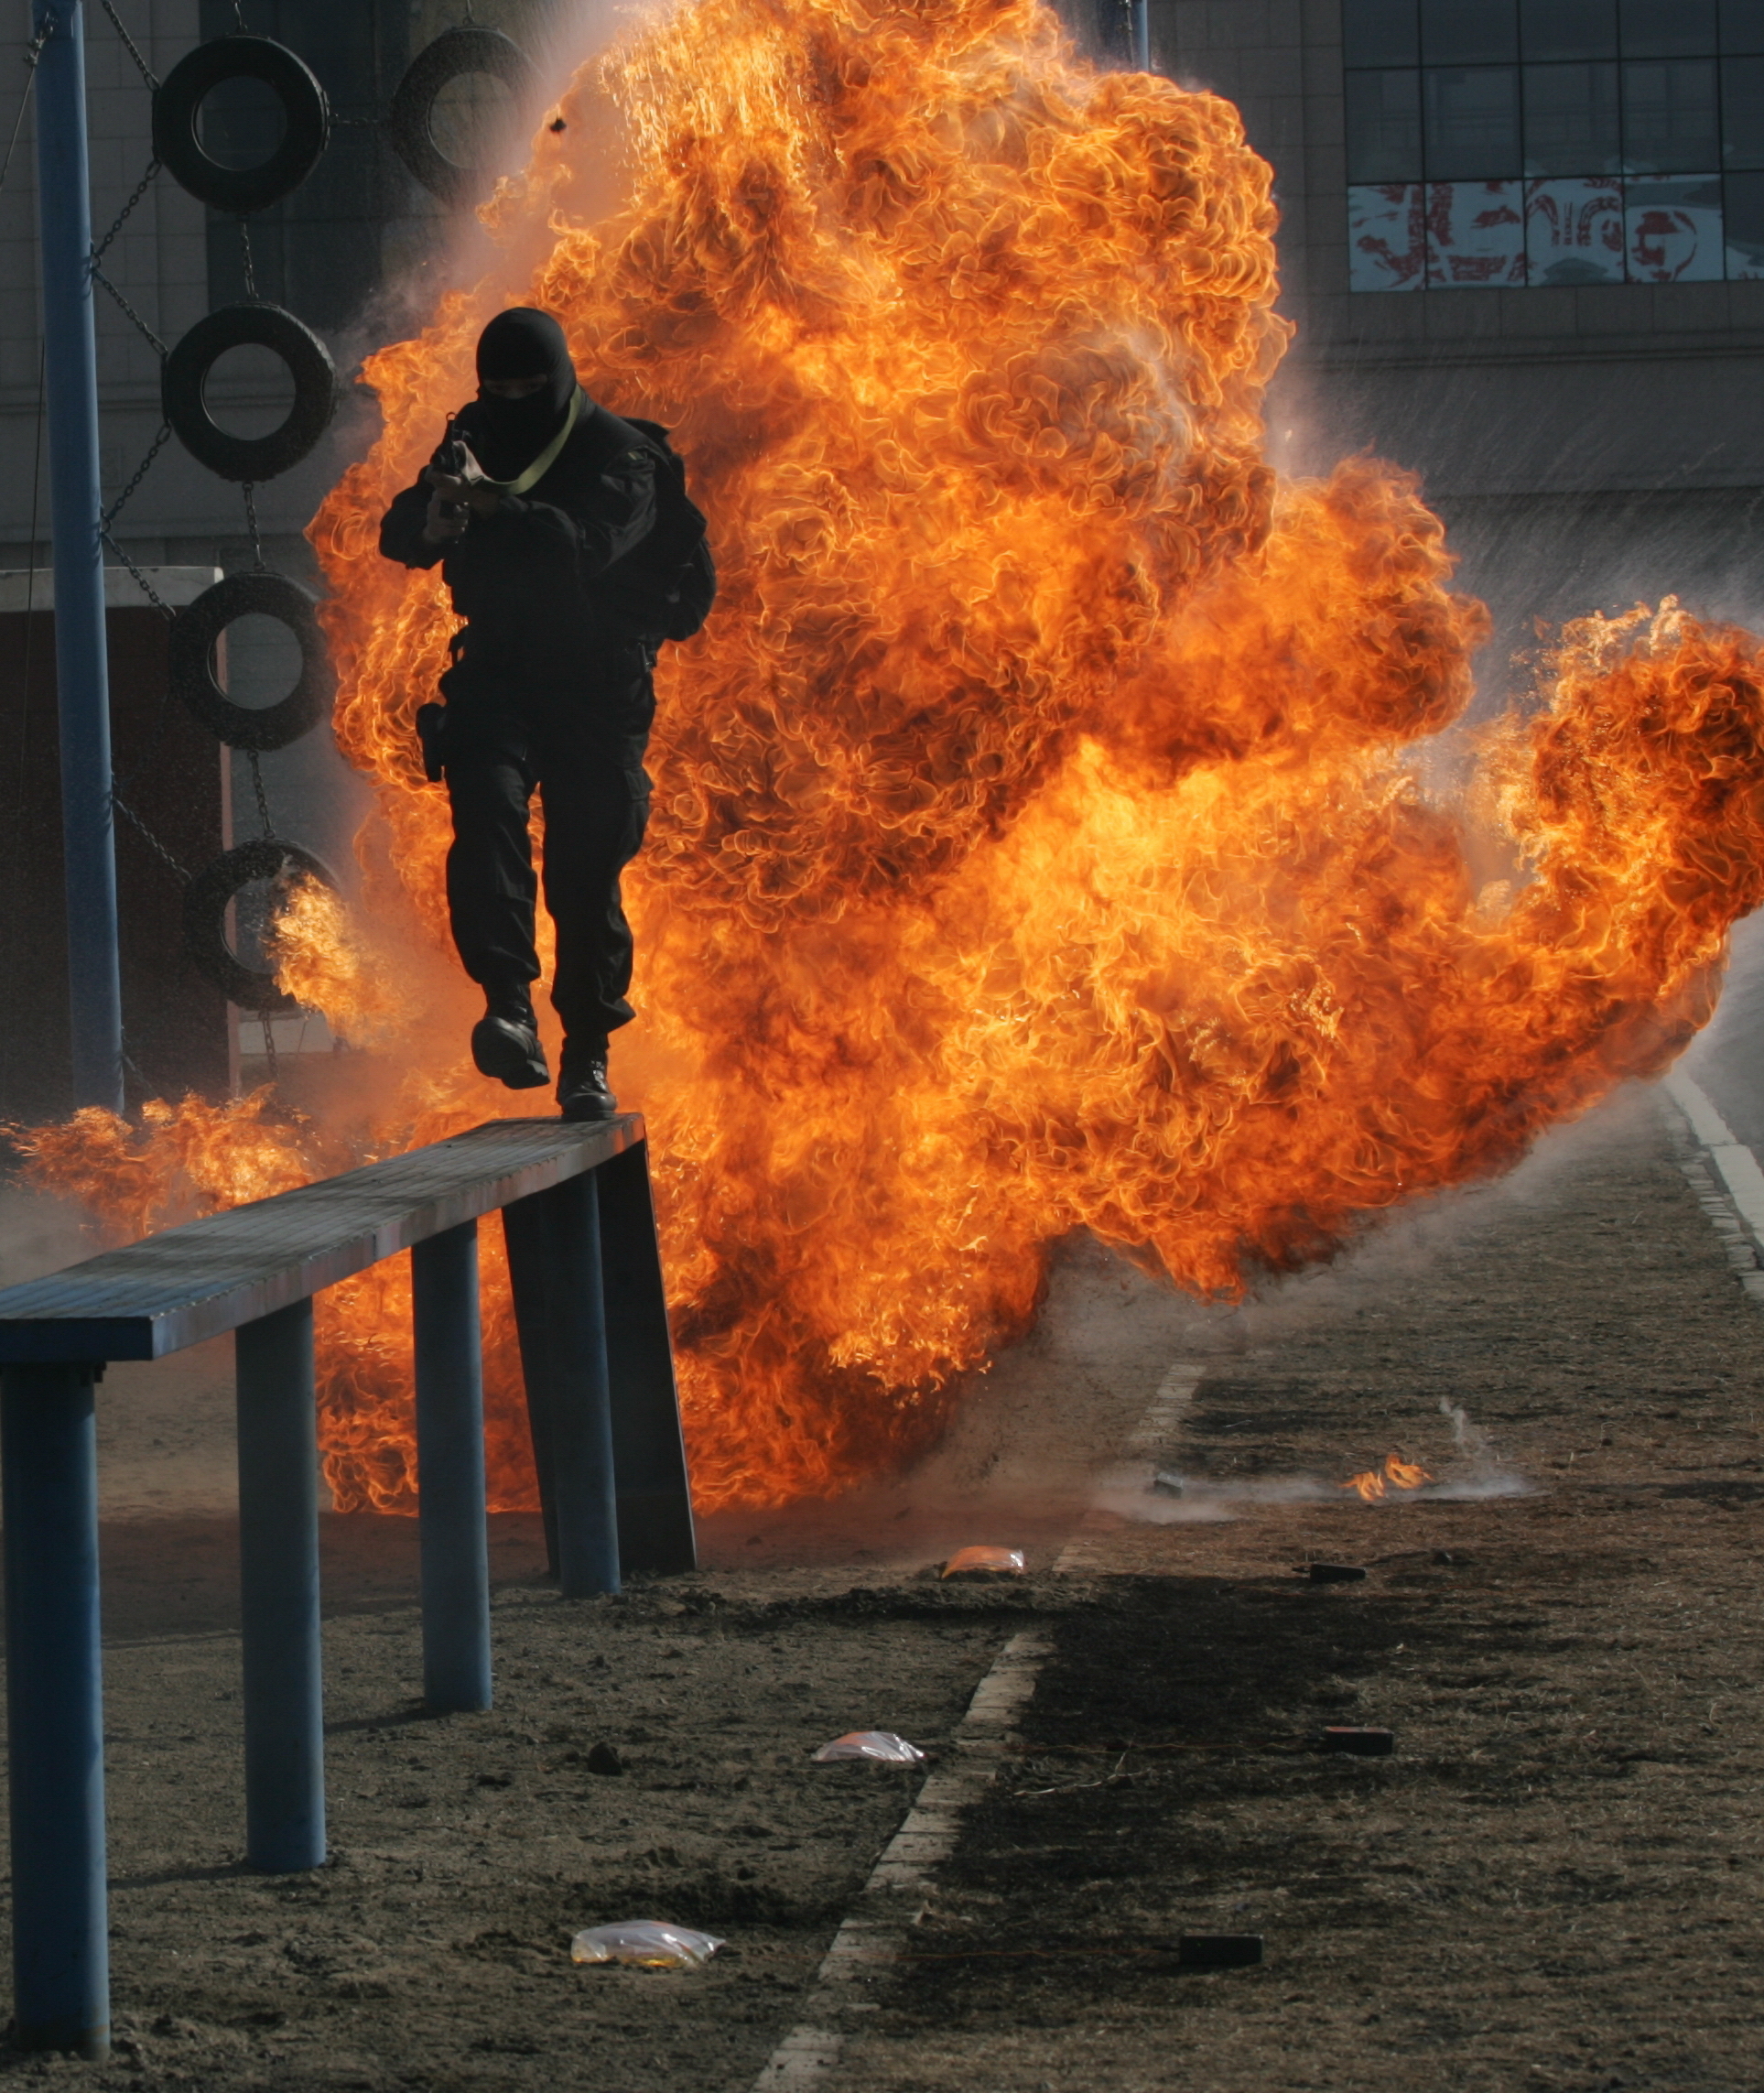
(181, 389)
(191, 666)
(205, 920)
(177, 106)
(452, 55)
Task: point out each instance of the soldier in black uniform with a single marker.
(534, 496)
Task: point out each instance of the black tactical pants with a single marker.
(498, 748)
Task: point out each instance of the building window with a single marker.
(1526, 142)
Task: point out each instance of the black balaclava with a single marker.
(521, 342)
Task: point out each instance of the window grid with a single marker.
(1556, 142)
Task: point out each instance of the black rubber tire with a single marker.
(454, 53)
(191, 648)
(186, 373)
(178, 100)
(205, 920)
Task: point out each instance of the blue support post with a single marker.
(60, 1948)
(1141, 13)
(278, 1586)
(588, 1504)
(554, 1252)
(525, 1238)
(450, 1470)
(81, 664)
(655, 1530)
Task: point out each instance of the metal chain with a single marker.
(108, 517)
(33, 51)
(140, 188)
(148, 836)
(141, 65)
(147, 587)
(98, 277)
(245, 250)
(258, 564)
(263, 797)
(269, 834)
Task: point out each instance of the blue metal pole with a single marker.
(1141, 11)
(588, 1504)
(554, 1248)
(60, 1948)
(450, 1470)
(81, 664)
(526, 1238)
(648, 1450)
(279, 1589)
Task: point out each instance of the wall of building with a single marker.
(1587, 443)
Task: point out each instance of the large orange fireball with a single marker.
(1034, 846)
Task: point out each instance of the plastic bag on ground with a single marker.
(645, 1943)
(881, 1745)
(1000, 1562)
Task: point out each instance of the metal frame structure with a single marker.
(595, 1351)
(82, 660)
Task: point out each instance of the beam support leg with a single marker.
(656, 1529)
(451, 1471)
(588, 1504)
(554, 1256)
(279, 1575)
(61, 1951)
(525, 1239)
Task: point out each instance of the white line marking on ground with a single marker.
(1152, 1442)
(893, 1898)
(1735, 1162)
(1736, 1214)
(1694, 1102)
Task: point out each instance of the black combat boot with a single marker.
(582, 1092)
(505, 1041)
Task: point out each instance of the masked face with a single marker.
(524, 425)
(515, 418)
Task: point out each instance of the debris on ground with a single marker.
(985, 1562)
(1359, 1743)
(645, 1943)
(881, 1745)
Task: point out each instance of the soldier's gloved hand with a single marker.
(447, 513)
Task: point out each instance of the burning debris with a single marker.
(1034, 845)
(1172, 1496)
(1376, 1482)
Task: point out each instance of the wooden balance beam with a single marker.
(586, 1271)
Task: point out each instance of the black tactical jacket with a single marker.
(525, 578)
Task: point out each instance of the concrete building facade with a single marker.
(1504, 276)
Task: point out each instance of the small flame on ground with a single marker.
(1376, 1482)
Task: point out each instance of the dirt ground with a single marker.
(1552, 1882)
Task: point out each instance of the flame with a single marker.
(328, 962)
(1374, 1483)
(1039, 840)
